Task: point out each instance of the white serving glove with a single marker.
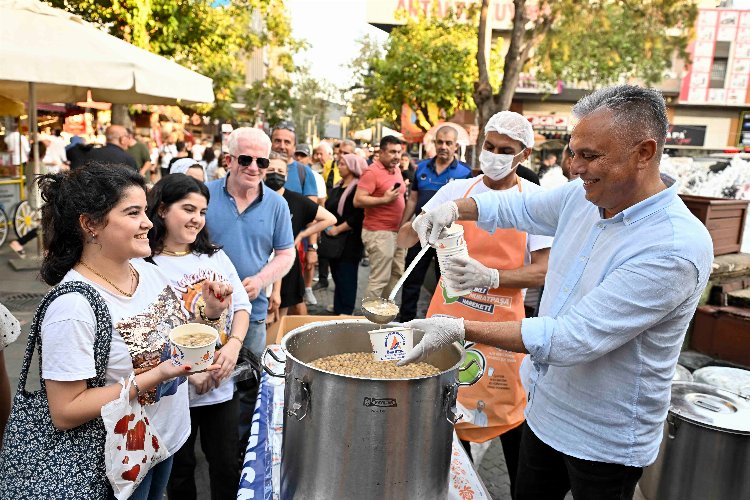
(466, 273)
(430, 224)
(439, 332)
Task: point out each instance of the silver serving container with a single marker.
(351, 437)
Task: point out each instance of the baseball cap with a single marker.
(303, 149)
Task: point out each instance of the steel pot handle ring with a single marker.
(272, 373)
(476, 377)
(449, 401)
(293, 411)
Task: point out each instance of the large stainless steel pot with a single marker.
(705, 451)
(350, 437)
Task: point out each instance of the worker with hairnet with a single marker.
(498, 270)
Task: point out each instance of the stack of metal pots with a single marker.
(351, 437)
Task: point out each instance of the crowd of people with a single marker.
(168, 241)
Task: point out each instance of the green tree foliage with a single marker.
(603, 42)
(203, 35)
(360, 95)
(311, 100)
(429, 61)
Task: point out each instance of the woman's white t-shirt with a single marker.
(141, 325)
(187, 274)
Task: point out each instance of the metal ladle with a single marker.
(377, 305)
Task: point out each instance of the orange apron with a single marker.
(500, 385)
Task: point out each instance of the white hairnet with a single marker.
(513, 125)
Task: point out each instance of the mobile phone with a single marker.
(397, 185)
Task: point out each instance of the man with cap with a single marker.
(302, 155)
(627, 268)
(500, 267)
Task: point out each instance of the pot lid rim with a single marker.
(735, 423)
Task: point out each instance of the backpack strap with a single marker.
(102, 338)
(302, 176)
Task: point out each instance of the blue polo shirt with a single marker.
(248, 238)
(427, 182)
(293, 181)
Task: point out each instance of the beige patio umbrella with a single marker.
(50, 55)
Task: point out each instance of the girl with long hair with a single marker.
(183, 250)
(95, 231)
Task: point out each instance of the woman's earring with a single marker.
(92, 239)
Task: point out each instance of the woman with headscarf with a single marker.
(340, 202)
(189, 167)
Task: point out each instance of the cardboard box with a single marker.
(276, 331)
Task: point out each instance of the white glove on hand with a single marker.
(429, 225)
(465, 273)
(439, 333)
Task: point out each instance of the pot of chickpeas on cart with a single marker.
(355, 427)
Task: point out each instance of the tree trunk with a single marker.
(513, 58)
(482, 87)
(120, 116)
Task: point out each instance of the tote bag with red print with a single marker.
(132, 445)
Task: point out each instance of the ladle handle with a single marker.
(408, 271)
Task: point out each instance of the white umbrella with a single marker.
(65, 56)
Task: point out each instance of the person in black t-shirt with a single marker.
(115, 151)
(308, 218)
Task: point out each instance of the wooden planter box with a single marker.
(722, 333)
(724, 218)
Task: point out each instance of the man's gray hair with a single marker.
(251, 134)
(447, 128)
(325, 145)
(638, 111)
(349, 142)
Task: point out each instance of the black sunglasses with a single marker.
(247, 160)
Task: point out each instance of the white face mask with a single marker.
(496, 166)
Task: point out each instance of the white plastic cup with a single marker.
(391, 344)
(198, 357)
(451, 237)
(442, 254)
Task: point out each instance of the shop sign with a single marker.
(548, 121)
(686, 135)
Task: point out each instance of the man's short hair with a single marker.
(390, 139)
(325, 145)
(285, 125)
(639, 111)
(447, 128)
(252, 134)
(348, 142)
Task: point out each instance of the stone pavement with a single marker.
(21, 291)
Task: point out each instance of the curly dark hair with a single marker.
(169, 190)
(92, 190)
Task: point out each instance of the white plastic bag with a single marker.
(132, 446)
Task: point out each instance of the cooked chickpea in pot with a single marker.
(362, 364)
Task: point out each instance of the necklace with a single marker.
(123, 292)
(175, 254)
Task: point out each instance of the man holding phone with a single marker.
(380, 192)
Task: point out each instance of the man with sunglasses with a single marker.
(430, 176)
(250, 221)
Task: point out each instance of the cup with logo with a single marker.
(391, 344)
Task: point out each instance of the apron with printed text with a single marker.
(500, 385)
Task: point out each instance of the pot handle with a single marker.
(476, 377)
(449, 404)
(294, 410)
(268, 350)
